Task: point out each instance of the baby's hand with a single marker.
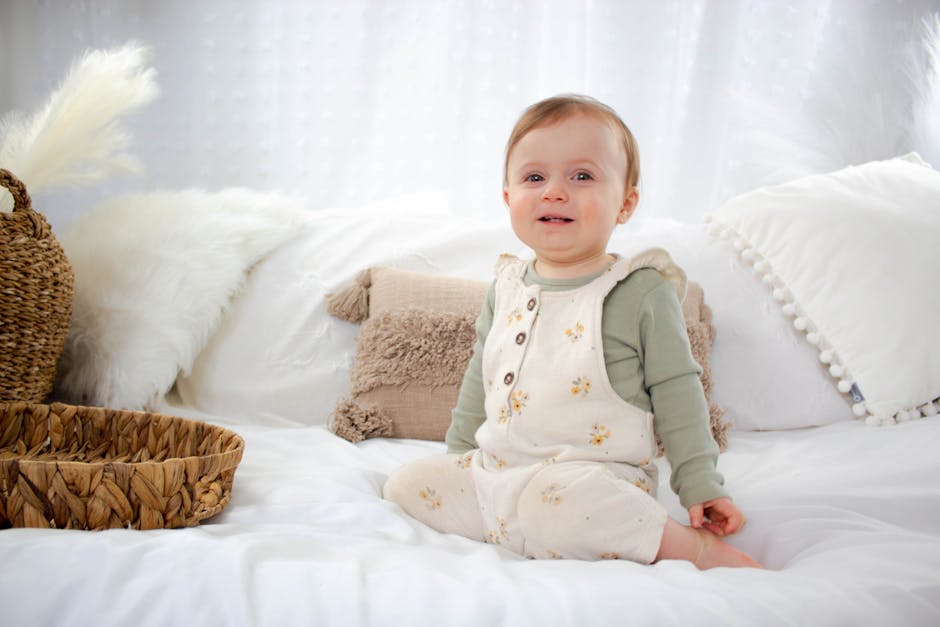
(720, 516)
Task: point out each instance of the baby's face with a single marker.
(566, 193)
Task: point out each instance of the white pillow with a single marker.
(853, 257)
(278, 354)
(153, 275)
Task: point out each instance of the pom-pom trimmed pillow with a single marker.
(416, 338)
(853, 257)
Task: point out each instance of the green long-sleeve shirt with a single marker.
(650, 365)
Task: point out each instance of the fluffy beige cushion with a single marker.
(416, 338)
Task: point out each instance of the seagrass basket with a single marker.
(36, 284)
(71, 467)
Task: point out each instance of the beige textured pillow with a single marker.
(416, 339)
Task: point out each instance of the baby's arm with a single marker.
(671, 376)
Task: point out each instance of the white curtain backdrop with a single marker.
(350, 102)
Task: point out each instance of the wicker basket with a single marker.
(36, 284)
(72, 467)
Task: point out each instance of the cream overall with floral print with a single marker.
(559, 446)
(563, 468)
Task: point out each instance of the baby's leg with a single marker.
(589, 511)
(701, 547)
(438, 491)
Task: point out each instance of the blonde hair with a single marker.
(557, 108)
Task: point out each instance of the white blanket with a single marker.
(843, 516)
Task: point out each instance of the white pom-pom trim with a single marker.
(859, 409)
(929, 410)
(845, 386)
(826, 356)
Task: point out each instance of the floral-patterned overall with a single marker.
(564, 466)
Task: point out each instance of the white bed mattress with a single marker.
(844, 517)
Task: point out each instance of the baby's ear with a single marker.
(629, 205)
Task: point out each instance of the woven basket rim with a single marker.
(238, 449)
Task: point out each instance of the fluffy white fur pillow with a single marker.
(153, 275)
(852, 256)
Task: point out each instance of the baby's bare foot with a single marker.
(714, 552)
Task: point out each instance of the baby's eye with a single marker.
(583, 176)
(534, 178)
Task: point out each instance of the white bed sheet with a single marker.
(844, 516)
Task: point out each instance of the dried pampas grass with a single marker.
(78, 137)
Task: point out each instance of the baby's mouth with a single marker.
(555, 219)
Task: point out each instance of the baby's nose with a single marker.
(554, 191)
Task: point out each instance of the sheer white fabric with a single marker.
(351, 102)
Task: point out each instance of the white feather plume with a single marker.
(773, 144)
(78, 136)
(925, 68)
(857, 108)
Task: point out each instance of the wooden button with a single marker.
(508, 378)
(531, 304)
(520, 338)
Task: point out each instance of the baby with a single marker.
(582, 357)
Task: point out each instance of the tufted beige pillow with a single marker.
(416, 339)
